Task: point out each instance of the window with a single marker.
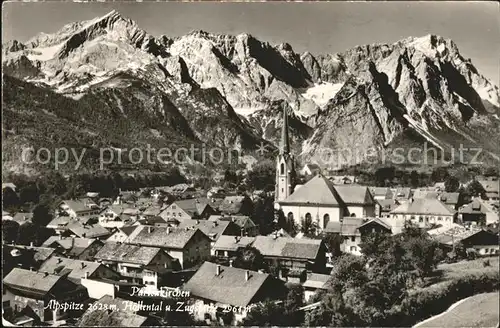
(353, 248)
(353, 238)
(282, 168)
(420, 219)
(173, 207)
(440, 218)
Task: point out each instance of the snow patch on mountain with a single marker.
(322, 93)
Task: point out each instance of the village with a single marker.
(183, 255)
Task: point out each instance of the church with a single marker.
(318, 201)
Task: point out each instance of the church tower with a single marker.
(285, 170)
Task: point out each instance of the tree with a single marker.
(294, 300)
(475, 188)
(41, 215)
(267, 313)
(451, 184)
(440, 174)
(10, 231)
(249, 258)
(262, 176)
(10, 198)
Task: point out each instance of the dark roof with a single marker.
(86, 230)
(287, 247)
(74, 246)
(353, 194)
(450, 198)
(232, 243)
(318, 190)
(193, 206)
(242, 221)
(348, 227)
(40, 254)
(232, 204)
(80, 205)
(229, 287)
(76, 268)
(37, 282)
(126, 253)
(164, 237)
(23, 217)
(213, 229)
(475, 207)
(424, 206)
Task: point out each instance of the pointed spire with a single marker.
(284, 142)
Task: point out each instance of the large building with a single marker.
(320, 202)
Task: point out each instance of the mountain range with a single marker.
(108, 83)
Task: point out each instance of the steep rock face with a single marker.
(229, 91)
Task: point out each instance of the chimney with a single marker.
(83, 265)
(247, 275)
(60, 237)
(31, 244)
(149, 229)
(168, 230)
(86, 275)
(197, 221)
(231, 263)
(218, 270)
(59, 260)
(236, 239)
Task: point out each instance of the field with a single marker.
(481, 310)
(448, 272)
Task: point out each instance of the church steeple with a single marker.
(285, 170)
(284, 142)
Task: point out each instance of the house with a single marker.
(380, 193)
(483, 242)
(213, 229)
(439, 186)
(314, 283)
(152, 211)
(23, 217)
(189, 246)
(401, 194)
(33, 291)
(117, 216)
(424, 212)
(216, 192)
(9, 185)
(217, 288)
(491, 187)
(60, 223)
(342, 179)
(236, 205)
(187, 209)
(478, 212)
(25, 257)
(385, 206)
(450, 199)
(319, 201)
(82, 208)
(115, 310)
(228, 246)
(425, 193)
(247, 226)
(124, 234)
(352, 229)
(76, 270)
(87, 230)
(310, 170)
(140, 264)
(76, 248)
(292, 254)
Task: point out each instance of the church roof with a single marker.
(318, 190)
(354, 195)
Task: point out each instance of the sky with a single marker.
(318, 27)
